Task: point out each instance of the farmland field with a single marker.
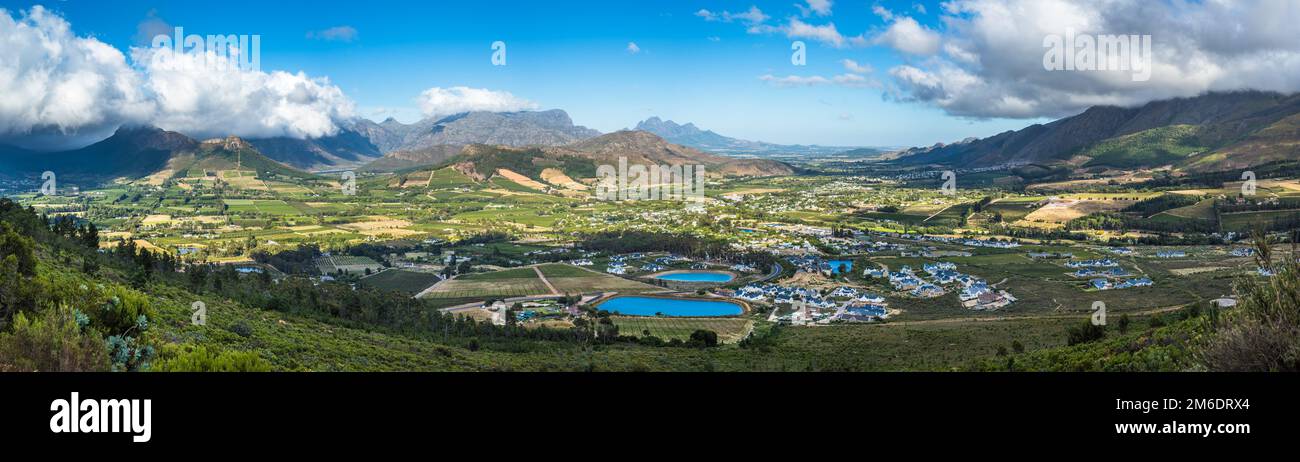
(400, 280)
(729, 330)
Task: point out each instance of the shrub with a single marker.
(1086, 332)
(703, 338)
(1263, 332)
(52, 341)
(198, 358)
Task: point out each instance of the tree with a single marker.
(52, 341)
(1123, 323)
(1017, 347)
(91, 236)
(704, 338)
(1086, 332)
(22, 248)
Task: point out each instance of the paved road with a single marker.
(775, 272)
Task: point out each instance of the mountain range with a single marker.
(708, 140)
(1215, 131)
(361, 141)
(149, 152)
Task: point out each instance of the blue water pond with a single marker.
(651, 306)
(835, 265)
(697, 276)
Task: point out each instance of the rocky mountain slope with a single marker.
(1211, 132)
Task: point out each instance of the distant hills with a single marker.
(707, 140)
(362, 141)
(641, 147)
(131, 151)
(1216, 131)
(346, 149)
(155, 154)
(578, 160)
(140, 152)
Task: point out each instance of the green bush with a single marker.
(198, 358)
(55, 340)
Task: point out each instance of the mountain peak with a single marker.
(230, 143)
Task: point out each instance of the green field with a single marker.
(410, 282)
(729, 330)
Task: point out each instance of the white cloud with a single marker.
(52, 81)
(909, 36)
(55, 82)
(751, 17)
(707, 15)
(825, 33)
(633, 48)
(882, 12)
(992, 61)
(817, 7)
(334, 34)
(438, 102)
(846, 80)
(856, 68)
(202, 99)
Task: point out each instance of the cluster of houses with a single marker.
(1107, 284)
(783, 295)
(1171, 254)
(1096, 263)
(810, 306)
(905, 280)
(974, 293)
(1115, 272)
(1242, 252)
(1122, 251)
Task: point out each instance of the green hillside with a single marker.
(1158, 146)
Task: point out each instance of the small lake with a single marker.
(835, 265)
(650, 306)
(697, 276)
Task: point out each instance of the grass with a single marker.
(516, 273)
(729, 330)
(410, 282)
(1157, 146)
(479, 290)
(563, 271)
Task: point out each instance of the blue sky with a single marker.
(574, 56)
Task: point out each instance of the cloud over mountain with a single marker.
(988, 59)
(437, 102)
(56, 83)
(203, 99)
